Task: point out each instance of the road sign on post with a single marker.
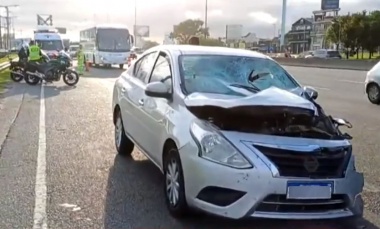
(45, 20)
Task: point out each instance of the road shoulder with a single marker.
(10, 104)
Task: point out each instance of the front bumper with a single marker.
(237, 193)
(113, 61)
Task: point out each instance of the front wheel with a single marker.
(31, 79)
(70, 77)
(373, 93)
(174, 185)
(121, 66)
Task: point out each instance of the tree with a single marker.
(149, 44)
(333, 33)
(211, 42)
(184, 30)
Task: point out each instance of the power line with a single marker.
(7, 44)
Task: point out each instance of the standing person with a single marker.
(81, 60)
(34, 52)
(23, 53)
(193, 40)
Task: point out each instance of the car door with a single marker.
(157, 110)
(133, 93)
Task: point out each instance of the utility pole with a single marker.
(283, 25)
(135, 26)
(206, 17)
(7, 46)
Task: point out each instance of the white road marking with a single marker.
(322, 88)
(40, 216)
(351, 81)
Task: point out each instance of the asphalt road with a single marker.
(88, 186)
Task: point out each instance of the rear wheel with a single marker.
(17, 75)
(373, 93)
(121, 66)
(94, 64)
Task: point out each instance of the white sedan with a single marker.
(372, 84)
(235, 135)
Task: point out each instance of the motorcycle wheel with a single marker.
(16, 77)
(32, 80)
(70, 78)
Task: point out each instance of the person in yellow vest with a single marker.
(81, 60)
(34, 52)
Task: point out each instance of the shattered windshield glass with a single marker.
(217, 73)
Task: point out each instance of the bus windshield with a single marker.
(113, 40)
(50, 45)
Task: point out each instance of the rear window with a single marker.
(333, 53)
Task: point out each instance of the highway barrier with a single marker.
(359, 65)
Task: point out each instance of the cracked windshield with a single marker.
(189, 114)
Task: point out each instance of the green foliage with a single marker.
(211, 42)
(149, 44)
(355, 31)
(184, 30)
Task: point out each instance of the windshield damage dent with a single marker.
(269, 120)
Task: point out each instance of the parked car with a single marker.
(372, 84)
(324, 54)
(235, 135)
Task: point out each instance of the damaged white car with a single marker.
(235, 136)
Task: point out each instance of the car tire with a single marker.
(373, 88)
(121, 66)
(123, 144)
(172, 165)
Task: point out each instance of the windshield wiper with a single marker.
(251, 88)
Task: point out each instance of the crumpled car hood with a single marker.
(272, 96)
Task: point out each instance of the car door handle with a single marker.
(141, 102)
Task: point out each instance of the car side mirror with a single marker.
(342, 122)
(158, 90)
(311, 92)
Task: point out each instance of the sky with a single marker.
(257, 16)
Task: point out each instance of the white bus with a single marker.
(49, 40)
(107, 44)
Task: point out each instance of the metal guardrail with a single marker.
(6, 64)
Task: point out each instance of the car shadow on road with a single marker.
(135, 200)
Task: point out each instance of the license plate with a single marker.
(309, 190)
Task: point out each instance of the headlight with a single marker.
(214, 147)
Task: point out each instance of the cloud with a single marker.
(161, 15)
(263, 17)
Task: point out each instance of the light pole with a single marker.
(206, 17)
(283, 24)
(135, 26)
(8, 44)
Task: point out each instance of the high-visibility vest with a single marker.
(80, 57)
(34, 52)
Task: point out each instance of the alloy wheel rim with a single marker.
(373, 92)
(172, 182)
(118, 132)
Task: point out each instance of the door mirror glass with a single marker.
(158, 90)
(311, 92)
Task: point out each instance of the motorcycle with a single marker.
(16, 69)
(51, 70)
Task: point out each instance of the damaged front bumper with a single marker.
(262, 191)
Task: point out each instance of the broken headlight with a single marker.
(214, 147)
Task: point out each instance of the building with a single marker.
(322, 20)
(298, 38)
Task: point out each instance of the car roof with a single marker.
(207, 50)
